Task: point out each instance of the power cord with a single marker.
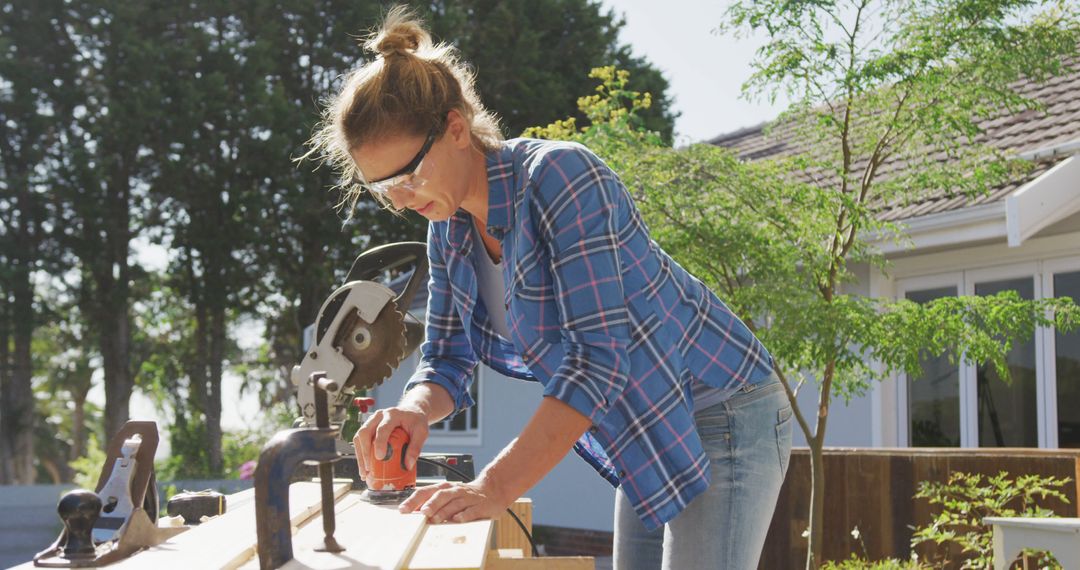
(468, 479)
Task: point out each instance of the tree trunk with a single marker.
(113, 291)
(115, 352)
(199, 370)
(78, 428)
(7, 461)
(19, 417)
(817, 504)
(213, 404)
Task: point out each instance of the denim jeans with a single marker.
(748, 441)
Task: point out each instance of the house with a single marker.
(1023, 236)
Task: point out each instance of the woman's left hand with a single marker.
(455, 502)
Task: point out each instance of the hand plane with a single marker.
(120, 516)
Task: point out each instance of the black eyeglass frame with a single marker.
(409, 168)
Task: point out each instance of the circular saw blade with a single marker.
(375, 349)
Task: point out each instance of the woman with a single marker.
(542, 269)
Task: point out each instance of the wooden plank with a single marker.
(508, 534)
(239, 499)
(497, 562)
(453, 546)
(374, 537)
(228, 540)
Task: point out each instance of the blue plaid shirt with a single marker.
(598, 313)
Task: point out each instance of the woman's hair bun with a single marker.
(402, 31)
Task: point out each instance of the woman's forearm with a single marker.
(549, 435)
(429, 399)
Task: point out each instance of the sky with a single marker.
(706, 70)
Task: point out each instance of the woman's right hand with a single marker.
(375, 433)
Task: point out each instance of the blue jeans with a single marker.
(748, 441)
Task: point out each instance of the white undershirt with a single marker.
(492, 288)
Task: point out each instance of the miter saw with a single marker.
(362, 333)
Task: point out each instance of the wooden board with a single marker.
(453, 546)
(374, 537)
(508, 534)
(228, 540)
(509, 559)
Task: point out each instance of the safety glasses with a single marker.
(404, 178)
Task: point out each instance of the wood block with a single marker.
(508, 534)
(453, 546)
(226, 541)
(374, 537)
(496, 562)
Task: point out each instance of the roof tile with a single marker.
(1029, 130)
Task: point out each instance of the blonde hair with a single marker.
(408, 89)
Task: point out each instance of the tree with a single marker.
(31, 59)
(64, 361)
(100, 168)
(778, 248)
(176, 123)
(532, 57)
(206, 182)
(879, 84)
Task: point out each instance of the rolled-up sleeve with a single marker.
(580, 205)
(447, 357)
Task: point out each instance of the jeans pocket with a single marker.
(783, 437)
(713, 426)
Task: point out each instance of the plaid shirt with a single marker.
(598, 313)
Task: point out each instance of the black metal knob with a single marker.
(79, 509)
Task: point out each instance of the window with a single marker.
(1066, 363)
(965, 405)
(934, 397)
(468, 421)
(1007, 412)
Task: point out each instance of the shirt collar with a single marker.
(500, 172)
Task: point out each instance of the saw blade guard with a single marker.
(363, 330)
(374, 262)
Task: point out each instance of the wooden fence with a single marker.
(873, 489)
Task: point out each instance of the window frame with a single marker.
(968, 377)
(472, 437)
(1048, 362)
(1042, 272)
(903, 413)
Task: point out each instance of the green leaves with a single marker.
(967, 498)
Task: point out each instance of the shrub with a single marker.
(966, 499)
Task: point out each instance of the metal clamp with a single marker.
(277, 461)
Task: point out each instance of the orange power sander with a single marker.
(390, 481)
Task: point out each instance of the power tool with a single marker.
(391, 480)
(362, 333)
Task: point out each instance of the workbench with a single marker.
(374, 537)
